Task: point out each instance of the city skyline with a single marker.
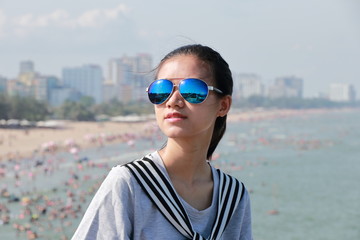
(318, 41)
(128, 76)
(107, 78)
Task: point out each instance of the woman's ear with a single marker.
(225, 104)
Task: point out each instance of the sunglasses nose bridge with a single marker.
(175, 95)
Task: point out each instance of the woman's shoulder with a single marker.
(222, 174)
(123, 172)
(225, 178)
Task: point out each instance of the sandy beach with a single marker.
(18, 143)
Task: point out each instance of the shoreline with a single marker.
(266, 114)
(22, 143)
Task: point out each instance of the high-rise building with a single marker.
(26, 67)
(44, 86)
(143, 63)
(87, 80)
(121, 71)
(247, 85)
(25, 83)
(17, 88)
(110, 91)
(143, 76)
(113, 71)
(120, 75)
(28, 79)
(3, 85)
(286, 87)
(128, 76)
(60, 94)
(342, 92)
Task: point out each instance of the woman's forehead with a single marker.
(185, 66)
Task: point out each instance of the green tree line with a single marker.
(85, 109)
(16, 107)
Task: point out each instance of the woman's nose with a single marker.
(175, 99)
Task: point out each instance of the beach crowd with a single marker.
(43, 195)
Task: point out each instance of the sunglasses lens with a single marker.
(159, 91)
(193, 90)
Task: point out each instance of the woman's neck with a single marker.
(186, 160)
(189, 172)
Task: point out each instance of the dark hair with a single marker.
(222, 77)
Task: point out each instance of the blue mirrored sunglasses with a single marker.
(192, 90)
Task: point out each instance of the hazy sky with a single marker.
(317, 40)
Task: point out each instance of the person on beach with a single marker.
(175, 192)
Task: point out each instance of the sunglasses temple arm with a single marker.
(215, 89)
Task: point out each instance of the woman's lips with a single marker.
(175, 117)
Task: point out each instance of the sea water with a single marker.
(302, 172)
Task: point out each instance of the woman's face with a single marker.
(178, 118)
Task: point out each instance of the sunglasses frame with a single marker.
(209, 88)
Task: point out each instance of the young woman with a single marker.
(175, 192)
